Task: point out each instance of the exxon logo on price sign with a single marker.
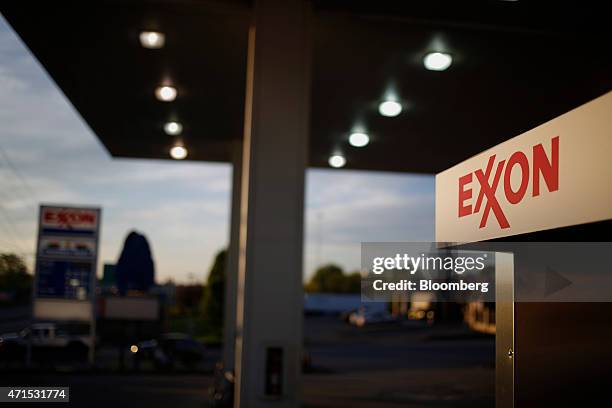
(69, 220)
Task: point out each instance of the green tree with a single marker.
(332, 279)
(15, 282)
(212, 301)
(327, 279)
(352, 283)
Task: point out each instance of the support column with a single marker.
(270, 294)
(231, 266)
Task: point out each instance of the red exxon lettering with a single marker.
(544, 166)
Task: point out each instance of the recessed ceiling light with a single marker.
(337, 161)
(152, 39)
(178, 152)
(165, 93)
(437, 61)
(390, 108)
(359, 139)
(173, 128)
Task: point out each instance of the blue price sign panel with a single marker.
(67, 252)
(64, 279)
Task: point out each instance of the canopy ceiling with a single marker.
(515, 65)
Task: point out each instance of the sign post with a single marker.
(66, 259)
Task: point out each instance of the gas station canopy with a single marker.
(514, 65)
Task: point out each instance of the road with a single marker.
(386, 366)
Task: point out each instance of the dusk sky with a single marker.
(48, 154)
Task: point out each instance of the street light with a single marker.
(390, 108)
(437, 61)
(178, 152)
(337, 161)
(173, 128)
(165, 93)
(359, 139)
(152, 39)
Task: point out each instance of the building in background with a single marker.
(108, 284)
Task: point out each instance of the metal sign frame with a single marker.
(505, 352)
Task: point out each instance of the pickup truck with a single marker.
(48, 343)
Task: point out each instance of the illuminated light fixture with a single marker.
(437, 61)
(152, 39)
(178, 152)
(390, 108)
(358, 139)
(165, 93)
(173, 128)
(134, 348)
(337, 161)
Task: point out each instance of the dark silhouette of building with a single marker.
(135, 270)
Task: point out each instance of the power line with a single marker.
(9, 244)
(13, 232)
(28, 196)
(17, 173)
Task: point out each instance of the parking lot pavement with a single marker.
(393, 365)
(440, 388)
(338, 347)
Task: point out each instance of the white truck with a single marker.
(47, 343)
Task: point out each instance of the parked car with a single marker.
(364, 316)
(170, 350)
(47, 342)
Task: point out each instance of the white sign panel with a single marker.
(558, 174)
(131, 308)
(62, 309)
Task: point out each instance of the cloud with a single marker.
(345, 208)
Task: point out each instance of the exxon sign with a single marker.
(558, 174)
